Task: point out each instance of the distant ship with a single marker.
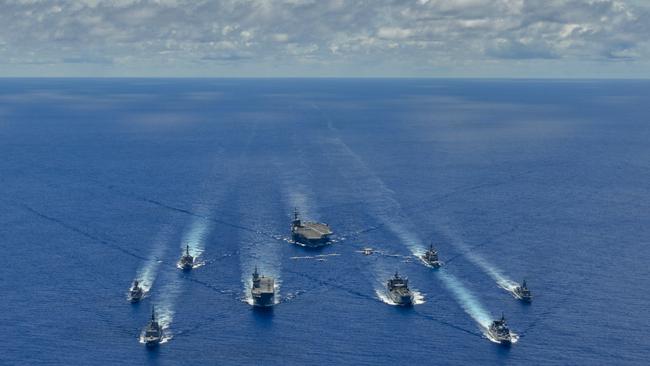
(500, 332)
(187, 261)
(398, 290)
(136, 292)
(430, 257)
(367, 251)
(522, 292)
(313, 234)
(153, 333)
(263, 290)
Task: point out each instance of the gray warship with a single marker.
(187, 261)
(398, 290)
(499, 331)
(430, 257)
(263, 290)
(522, 292)
(153, 333)
(136, 292)
(312, 234)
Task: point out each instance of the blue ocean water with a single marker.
(105, 180)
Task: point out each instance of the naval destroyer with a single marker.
(430, 257)
(312, 234)
(499, 331)
(153, 333)
(398, 290)
(187, 261)
(522, 292)
(136, 292)
(263, 290)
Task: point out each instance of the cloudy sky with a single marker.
(421, 38)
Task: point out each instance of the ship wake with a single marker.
(320, 257)
(388, 211)
(514, 337)
(465, 298)
(381, 295)
(490, 269)
(418, 297)
(195, 238)
(148, 271)
(164, 307)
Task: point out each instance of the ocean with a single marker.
(103, 181)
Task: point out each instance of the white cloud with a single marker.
(356, 32)
(280, 37)
(393, 33)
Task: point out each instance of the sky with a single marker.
(325, 38)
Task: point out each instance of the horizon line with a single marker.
(578, 78)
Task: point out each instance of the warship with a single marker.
(136, 292)
(499, 331)
(398, 290)
(187, 261)
(312, 234)
(263, 290)
(367, 251)
(430, 257)
(153, 333)
(522, 292)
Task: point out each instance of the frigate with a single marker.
(263, 290)
(499, 331)
(398, 290)
(187, 261)
(136, 292)
(312, 234)
(430, 257)
(522, 292)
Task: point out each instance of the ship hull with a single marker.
(312, 243)
(133, 300)
(263, 300)
(524, 298)
(402, 300)
(501, 340)
(185, 266)
(152, 341)
(435, 264)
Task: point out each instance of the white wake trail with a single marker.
(166, 302)
(196, 236)
(388, 211)
(490, 269)
(148, 271)
(465, 298)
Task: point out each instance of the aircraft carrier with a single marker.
(311, 234)
(263, 290)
